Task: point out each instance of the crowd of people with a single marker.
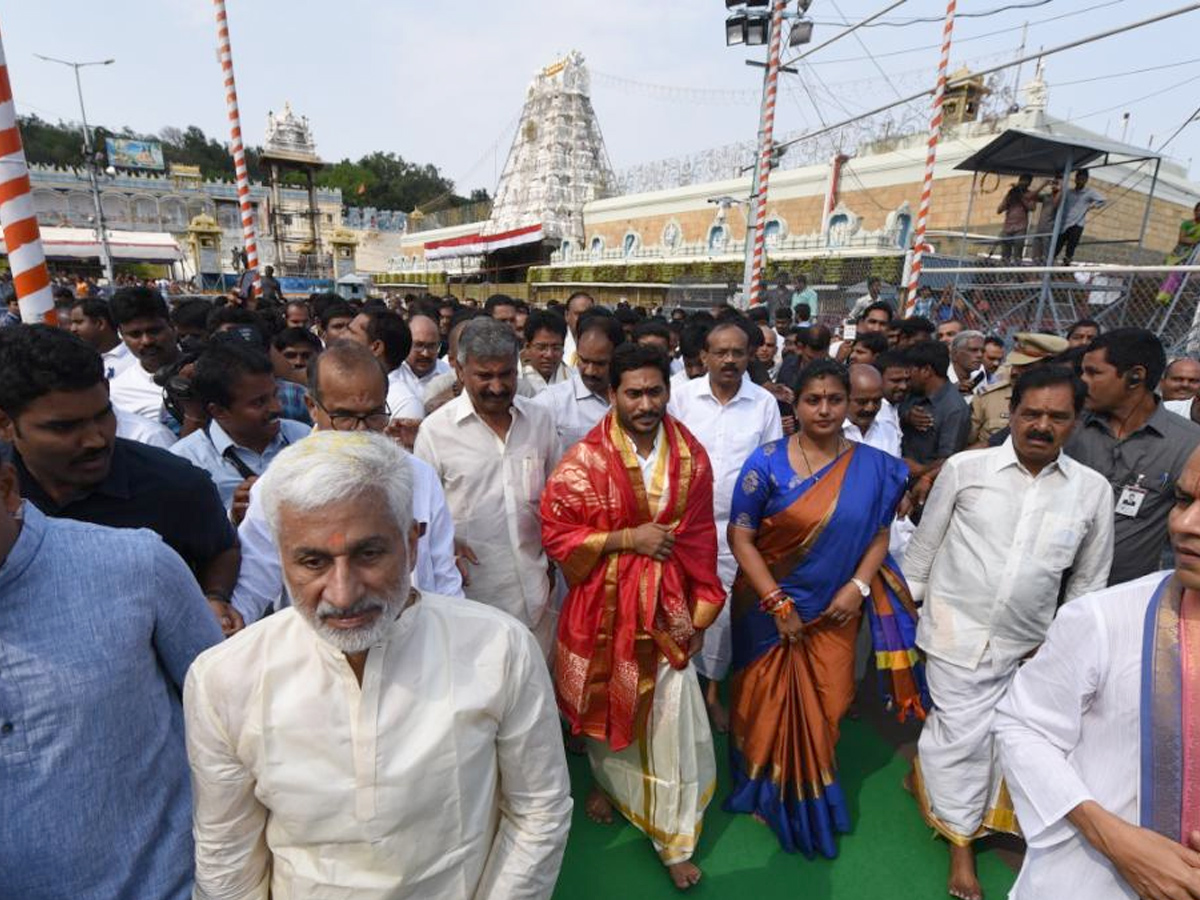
(310, 597)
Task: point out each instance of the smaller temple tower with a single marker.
(289, 147)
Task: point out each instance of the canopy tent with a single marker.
(125, 246)
(1037, 153)
(1020, 152)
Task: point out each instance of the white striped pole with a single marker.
(762, 168)
(239, 152)
(935, 131)
(22, 237)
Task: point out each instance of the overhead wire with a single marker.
(1122, 29)
(968, 39)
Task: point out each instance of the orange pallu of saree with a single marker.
(788, 699)
(623, 609)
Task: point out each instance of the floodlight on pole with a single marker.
(758, 29)
(735, 30)
(801, 33)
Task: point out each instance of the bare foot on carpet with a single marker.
(963, 882)
(908, 784)
(684, 874)
(598, 807)
(717, 713)
(576, 745)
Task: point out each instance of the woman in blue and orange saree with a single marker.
(809, 528)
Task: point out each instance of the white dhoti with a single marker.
(959, 786)
(717, 653)
(663, 781)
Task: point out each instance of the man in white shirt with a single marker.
(373, 741)
(731, 417)
(966, 363)
(347, 391)
(493, 452)
(423, 365)
(863, 424)
(577, 304)
(92, 322)
(145, 326)
(542, 357)
(387, 336)
(579, 403)
(236, 383)
(1090, 736)
(1001, 528)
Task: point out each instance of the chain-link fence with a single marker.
(1004, 300)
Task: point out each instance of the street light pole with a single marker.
(93, 180)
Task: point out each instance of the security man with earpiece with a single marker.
(1132, 440)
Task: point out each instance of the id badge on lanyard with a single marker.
(1129, 503)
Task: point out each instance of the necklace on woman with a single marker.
(836, 453)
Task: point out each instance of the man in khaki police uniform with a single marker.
(989, 408)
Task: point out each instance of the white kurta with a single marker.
(443, 775)
(576, 410)
(992, 548)
(494, 488)
(729, 433)
(1068, 731)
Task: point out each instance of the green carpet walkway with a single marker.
(890, 854)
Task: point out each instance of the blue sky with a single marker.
(443, 83)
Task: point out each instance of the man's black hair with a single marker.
(653, 328)
(318, 303)
(222, 365)
(330, 311)
(915, 325)
(599, 319)
(1049, 376)
(876, 306)
(393, 332)
(823, 367)
(191, 314)
(693, 338)
(544, 320)
(489, 305)
(815, 337)
(890, 359)
(38, 359)
(289, 337)
(95, 308)
(235, 315)
(631, 357)
(1083, 323)
(933, 354)
(131, 303)
(993, 339)
(1125, 348)
(874, 341)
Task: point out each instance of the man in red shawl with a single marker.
(628, 515)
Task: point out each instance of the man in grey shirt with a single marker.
(935, 420)
(1128, 437)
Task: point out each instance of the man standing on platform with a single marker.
(731, 417)
(1001, 528)
(628, 514)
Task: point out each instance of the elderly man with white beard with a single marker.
(372, 740)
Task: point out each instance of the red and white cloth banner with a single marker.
(478, 244)
(22, 237)
(225, 54)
